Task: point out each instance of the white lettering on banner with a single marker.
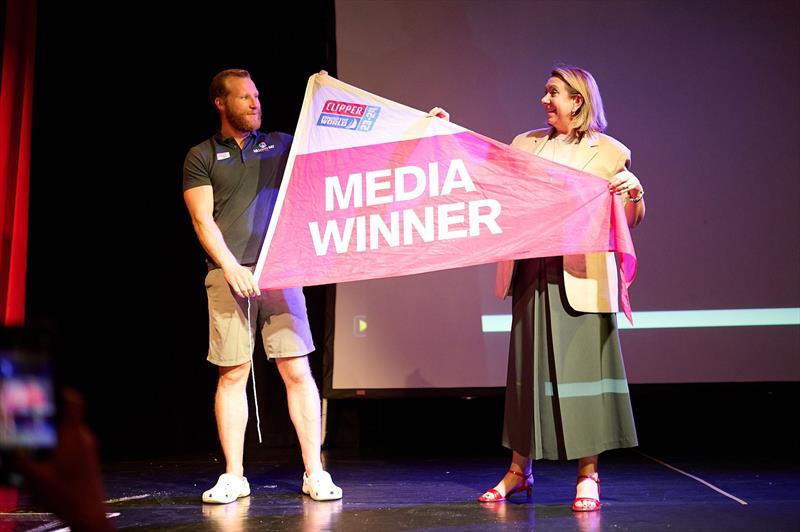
(489, 219)
(433, 179)
(373, 186)
(446, 219)
(457, 169)
(443, 222)
(341, 240)
(352, 191)
(457, 177)
(390, 234)
(411, 222)
(401, 194)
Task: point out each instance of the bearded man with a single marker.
(230, 185)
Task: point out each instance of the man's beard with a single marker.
(243, 121)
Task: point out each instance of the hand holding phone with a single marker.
(27, 402)
(28, 405)
(44, 440)
(69, 480)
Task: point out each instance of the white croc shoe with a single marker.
(227, 489)
(320, 487)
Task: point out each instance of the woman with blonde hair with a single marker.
(566, 393)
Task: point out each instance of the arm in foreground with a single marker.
(200, 202)
(69, 480)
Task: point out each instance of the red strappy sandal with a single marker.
(525, 485)
(587, 504)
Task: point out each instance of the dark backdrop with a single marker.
(115, 270)
(116, 273)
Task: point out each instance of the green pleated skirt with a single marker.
(566, 394)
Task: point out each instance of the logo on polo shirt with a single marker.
(348, 115)
(223, 155)
(262, 146)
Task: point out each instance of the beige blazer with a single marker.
(590, 280)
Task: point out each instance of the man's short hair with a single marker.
(219, 86)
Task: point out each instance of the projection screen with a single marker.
(697, 91)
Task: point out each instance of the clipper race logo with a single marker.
(345, 115)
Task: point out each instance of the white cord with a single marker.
(253, 371)
(698, 479)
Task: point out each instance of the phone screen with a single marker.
(27, 400)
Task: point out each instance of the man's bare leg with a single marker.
(230, 406)
(304, 408)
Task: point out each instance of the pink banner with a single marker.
(434, 203)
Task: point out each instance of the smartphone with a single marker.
(28, 402)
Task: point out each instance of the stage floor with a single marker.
(639, 493)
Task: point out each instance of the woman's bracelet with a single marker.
(637, 199)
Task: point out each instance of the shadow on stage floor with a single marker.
(639, 492)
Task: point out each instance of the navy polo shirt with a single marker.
(245, 185)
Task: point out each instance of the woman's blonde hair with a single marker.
(590, 117)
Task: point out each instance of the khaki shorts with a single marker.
(279, 314)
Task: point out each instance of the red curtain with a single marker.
(16, 95)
